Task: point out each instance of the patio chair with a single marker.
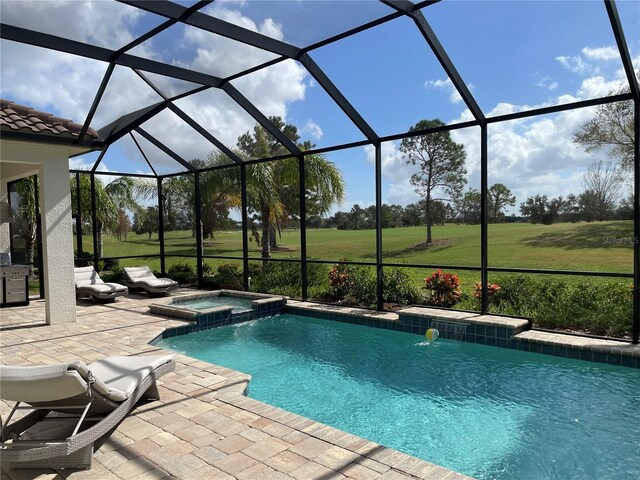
(143, 278)
(89, 401)
(89, 284)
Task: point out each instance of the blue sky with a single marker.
(512, 55)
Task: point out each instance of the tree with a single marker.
(147, 221)
(441, 165)
(500, 197)
(625, 209)
(612, 127)
(358, 217)
(219, 193)
(570, 210)
(540, 209)
(272, 187)
(468, 206)
(106, 209)
(121, 193)
(25, 214)
(602, 191)
(124, 225)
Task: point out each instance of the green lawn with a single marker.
(563, 246)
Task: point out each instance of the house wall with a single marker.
(51, 162)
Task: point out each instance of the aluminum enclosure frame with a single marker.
(178, 14)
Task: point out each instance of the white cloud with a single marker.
(576, 63)
(579, 64)
(107, 24)
(65, 84)
(546, 82)
(601, 53)
(446, 85)
(313, 130)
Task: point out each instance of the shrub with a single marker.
(182, 273)
(111, 263)
(443, 289)
(84, 259)
(599, 308)
(398, 287)
(285, 278)
(228, 275)
(114, 275)
(357, 285)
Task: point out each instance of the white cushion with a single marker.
(124, 374)
(41, 383)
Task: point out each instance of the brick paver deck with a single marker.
(202, 427)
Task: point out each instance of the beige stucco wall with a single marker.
(51, 163)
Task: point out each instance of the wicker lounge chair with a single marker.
(87, 401)
(89, 284)
(143, 278)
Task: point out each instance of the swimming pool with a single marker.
(486, 412)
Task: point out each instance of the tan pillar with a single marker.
(57, 240)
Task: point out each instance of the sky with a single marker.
(513, 56)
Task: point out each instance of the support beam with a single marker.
(78, 216)
(165, 149)
(192, 123)
(484, 218)
(123, 125)
(623, 48)
(251, 109)
(52, 42)
(94, 221)
(337, 97)
(96, 102)
(99, 160)
(161, 225)
(198, 128)
(442, 56)
(302, 192)
(217, 26)
(636, 226)
(143, 154)
(245, 228)
(379, 271)
(198, 227)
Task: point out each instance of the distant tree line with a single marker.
(464, 208)
(601, 199)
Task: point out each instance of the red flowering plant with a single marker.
(492, 288)
(339, 280)
(444, 289)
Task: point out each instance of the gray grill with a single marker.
(15, 285)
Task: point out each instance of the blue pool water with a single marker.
(238, 304)
(486, 412)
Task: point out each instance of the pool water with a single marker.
(483, 411)
(238, 304)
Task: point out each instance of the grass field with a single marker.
(597, 247)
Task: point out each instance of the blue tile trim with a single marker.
(490, 335)
(206, 321)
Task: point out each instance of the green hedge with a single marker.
(587, 305)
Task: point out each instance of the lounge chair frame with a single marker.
(133, 283)
(75, 451)
(88, 290)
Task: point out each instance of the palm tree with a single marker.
(25, 215)
(272, 187)
(120, 194)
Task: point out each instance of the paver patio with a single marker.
(203, 427)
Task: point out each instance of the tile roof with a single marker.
(18, 118)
